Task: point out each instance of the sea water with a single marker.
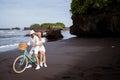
(9, 39)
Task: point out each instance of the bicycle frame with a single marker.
(32, 59)
(21, 62)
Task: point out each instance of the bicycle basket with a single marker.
(22, 46)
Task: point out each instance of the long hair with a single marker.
(39, 36)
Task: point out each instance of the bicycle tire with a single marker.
(17, 63)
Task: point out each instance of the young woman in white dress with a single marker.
(42, 50)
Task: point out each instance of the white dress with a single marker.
(42, 48)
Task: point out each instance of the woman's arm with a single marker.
(40, 44)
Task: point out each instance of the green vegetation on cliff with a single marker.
(48, 25)
(34, 25)
(81, 6)
(53, 25)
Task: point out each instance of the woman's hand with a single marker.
(33, 45)
(40, 44)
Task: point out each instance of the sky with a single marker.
(23, 13)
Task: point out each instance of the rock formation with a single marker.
(54, 34)
(97, 22)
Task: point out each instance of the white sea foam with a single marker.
(8, 47)
(9, 39)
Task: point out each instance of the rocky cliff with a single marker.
(97, 22)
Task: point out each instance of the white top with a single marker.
(43, 40)
(34, 40)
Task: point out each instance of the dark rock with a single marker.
(51, 34)
(16, 28)
(102, 22)
(54, 34)
(39, 29)
(27, 35)
(26, 28)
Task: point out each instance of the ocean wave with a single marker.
(4, 48)
(12, 33)
(8, 46)
(9, 36)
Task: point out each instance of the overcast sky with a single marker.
(23, 13)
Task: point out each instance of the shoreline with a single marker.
(12, 43)
(71, 59)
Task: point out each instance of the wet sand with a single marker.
(71, 59)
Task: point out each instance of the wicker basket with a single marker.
(22, 46)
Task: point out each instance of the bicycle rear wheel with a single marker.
(20, 63)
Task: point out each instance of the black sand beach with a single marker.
(71, 59)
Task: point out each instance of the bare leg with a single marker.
(29, 66)
(30, 56)
(44, 58)
(41, 56)
(36, 57)
(37, 62)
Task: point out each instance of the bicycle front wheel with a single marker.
(20, 63)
